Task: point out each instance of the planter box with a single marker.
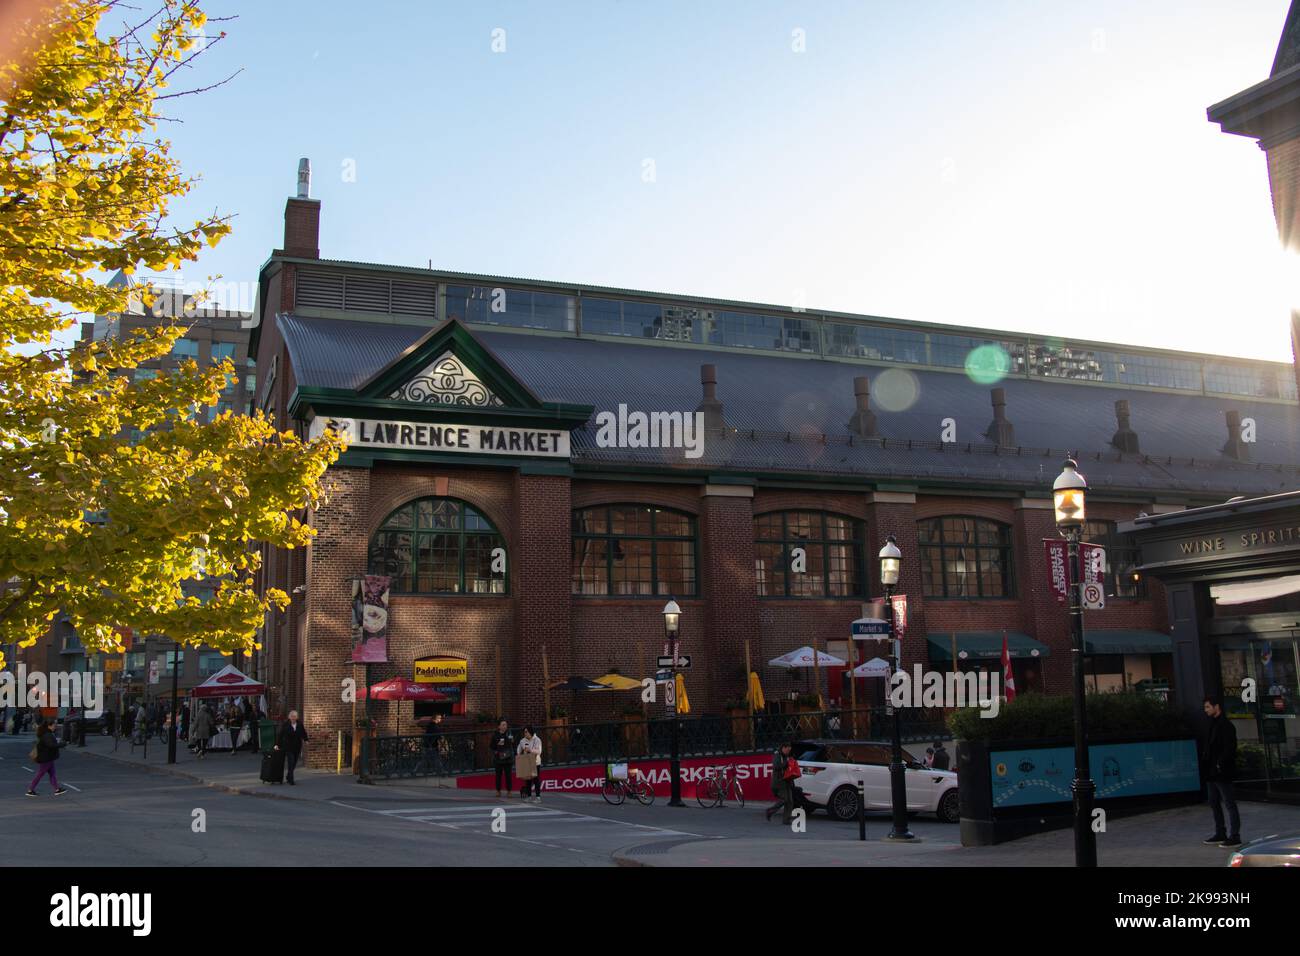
(742, 729)
(1010, 789)
(555, 741)
(358, 734)
(635, 739)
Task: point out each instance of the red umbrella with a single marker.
(400, 689)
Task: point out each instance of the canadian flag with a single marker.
(1008, 678)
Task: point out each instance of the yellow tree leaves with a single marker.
(112, 494)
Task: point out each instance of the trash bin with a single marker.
(266, 734)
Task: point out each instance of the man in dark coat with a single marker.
(290, 740)
(942, 759)
(1220, 762)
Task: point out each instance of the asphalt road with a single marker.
(121, 815)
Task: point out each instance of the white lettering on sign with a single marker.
(463, 439)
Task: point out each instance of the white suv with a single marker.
(832, 769)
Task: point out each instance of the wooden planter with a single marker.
(358, 733)
(483, 734)
(555, 742)
(742, 728)
(635, 740)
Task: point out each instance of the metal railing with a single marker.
(458, 752)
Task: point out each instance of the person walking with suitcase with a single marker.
(44, 754)
(503, 753)
(292, 736)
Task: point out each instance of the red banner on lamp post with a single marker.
(899, 602)
(1057, 556)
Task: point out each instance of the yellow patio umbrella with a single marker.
(683, 702)
(619, 682)
(755, 692)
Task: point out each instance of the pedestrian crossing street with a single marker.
(538, 824)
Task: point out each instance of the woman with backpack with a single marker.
(44, 754)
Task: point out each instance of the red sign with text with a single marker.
(753, 772)
(900, 614)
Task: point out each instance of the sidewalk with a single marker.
(1165, 838)
(239, 772)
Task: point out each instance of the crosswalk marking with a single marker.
(479, 815)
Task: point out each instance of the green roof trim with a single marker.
(1127, 641)
(984, 645)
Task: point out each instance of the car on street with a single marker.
(1274, 850)
(832, 768)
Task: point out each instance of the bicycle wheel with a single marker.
(707, 792)
(644, 793)
(613, 792)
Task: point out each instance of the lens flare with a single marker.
(988, 364)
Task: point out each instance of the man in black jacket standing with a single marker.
(292, 736)
(1220, 761)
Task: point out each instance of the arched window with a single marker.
(964, 557)
(633, 550)
(1122, 577)
(437, 546)
(832, 555)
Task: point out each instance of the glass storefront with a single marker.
(1258, 657)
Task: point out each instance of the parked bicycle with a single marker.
(719, 784)
(635, 786)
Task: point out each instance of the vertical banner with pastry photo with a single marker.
(370, 619)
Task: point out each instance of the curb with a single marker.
(215, 785)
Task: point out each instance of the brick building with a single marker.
(475, 407)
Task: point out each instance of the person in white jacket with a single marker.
(530, 743)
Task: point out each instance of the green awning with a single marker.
(984, 645)
(1121, 641)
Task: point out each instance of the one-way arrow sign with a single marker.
(682, 661)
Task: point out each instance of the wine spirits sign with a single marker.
(457, 438)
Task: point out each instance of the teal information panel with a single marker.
(1024, 778)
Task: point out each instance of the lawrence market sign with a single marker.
(465, 439)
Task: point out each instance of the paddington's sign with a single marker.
(455, 438)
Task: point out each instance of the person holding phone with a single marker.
(531, 744)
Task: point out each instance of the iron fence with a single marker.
(458, 752)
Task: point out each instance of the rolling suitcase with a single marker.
(273, 766)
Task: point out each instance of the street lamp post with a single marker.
(672, 622)
(890, 559)
(1068, 494)
(171, 734)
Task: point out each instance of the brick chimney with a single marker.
(711, 407)
(863, 422)
(1235, 447)
(1125, 438)
(1000, 431)
(302, 218)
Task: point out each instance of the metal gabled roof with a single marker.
(790, 415)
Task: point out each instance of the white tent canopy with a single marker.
(229, 682)
(803, 657)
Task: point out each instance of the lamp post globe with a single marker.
(891, 559)
(672, 618)
(1069, 493)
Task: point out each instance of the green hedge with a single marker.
(1033, 716)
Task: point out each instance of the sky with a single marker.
(1042, 168)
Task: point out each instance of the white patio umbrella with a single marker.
(803, 657)
(876, 667)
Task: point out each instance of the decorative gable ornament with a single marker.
(447, 382)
